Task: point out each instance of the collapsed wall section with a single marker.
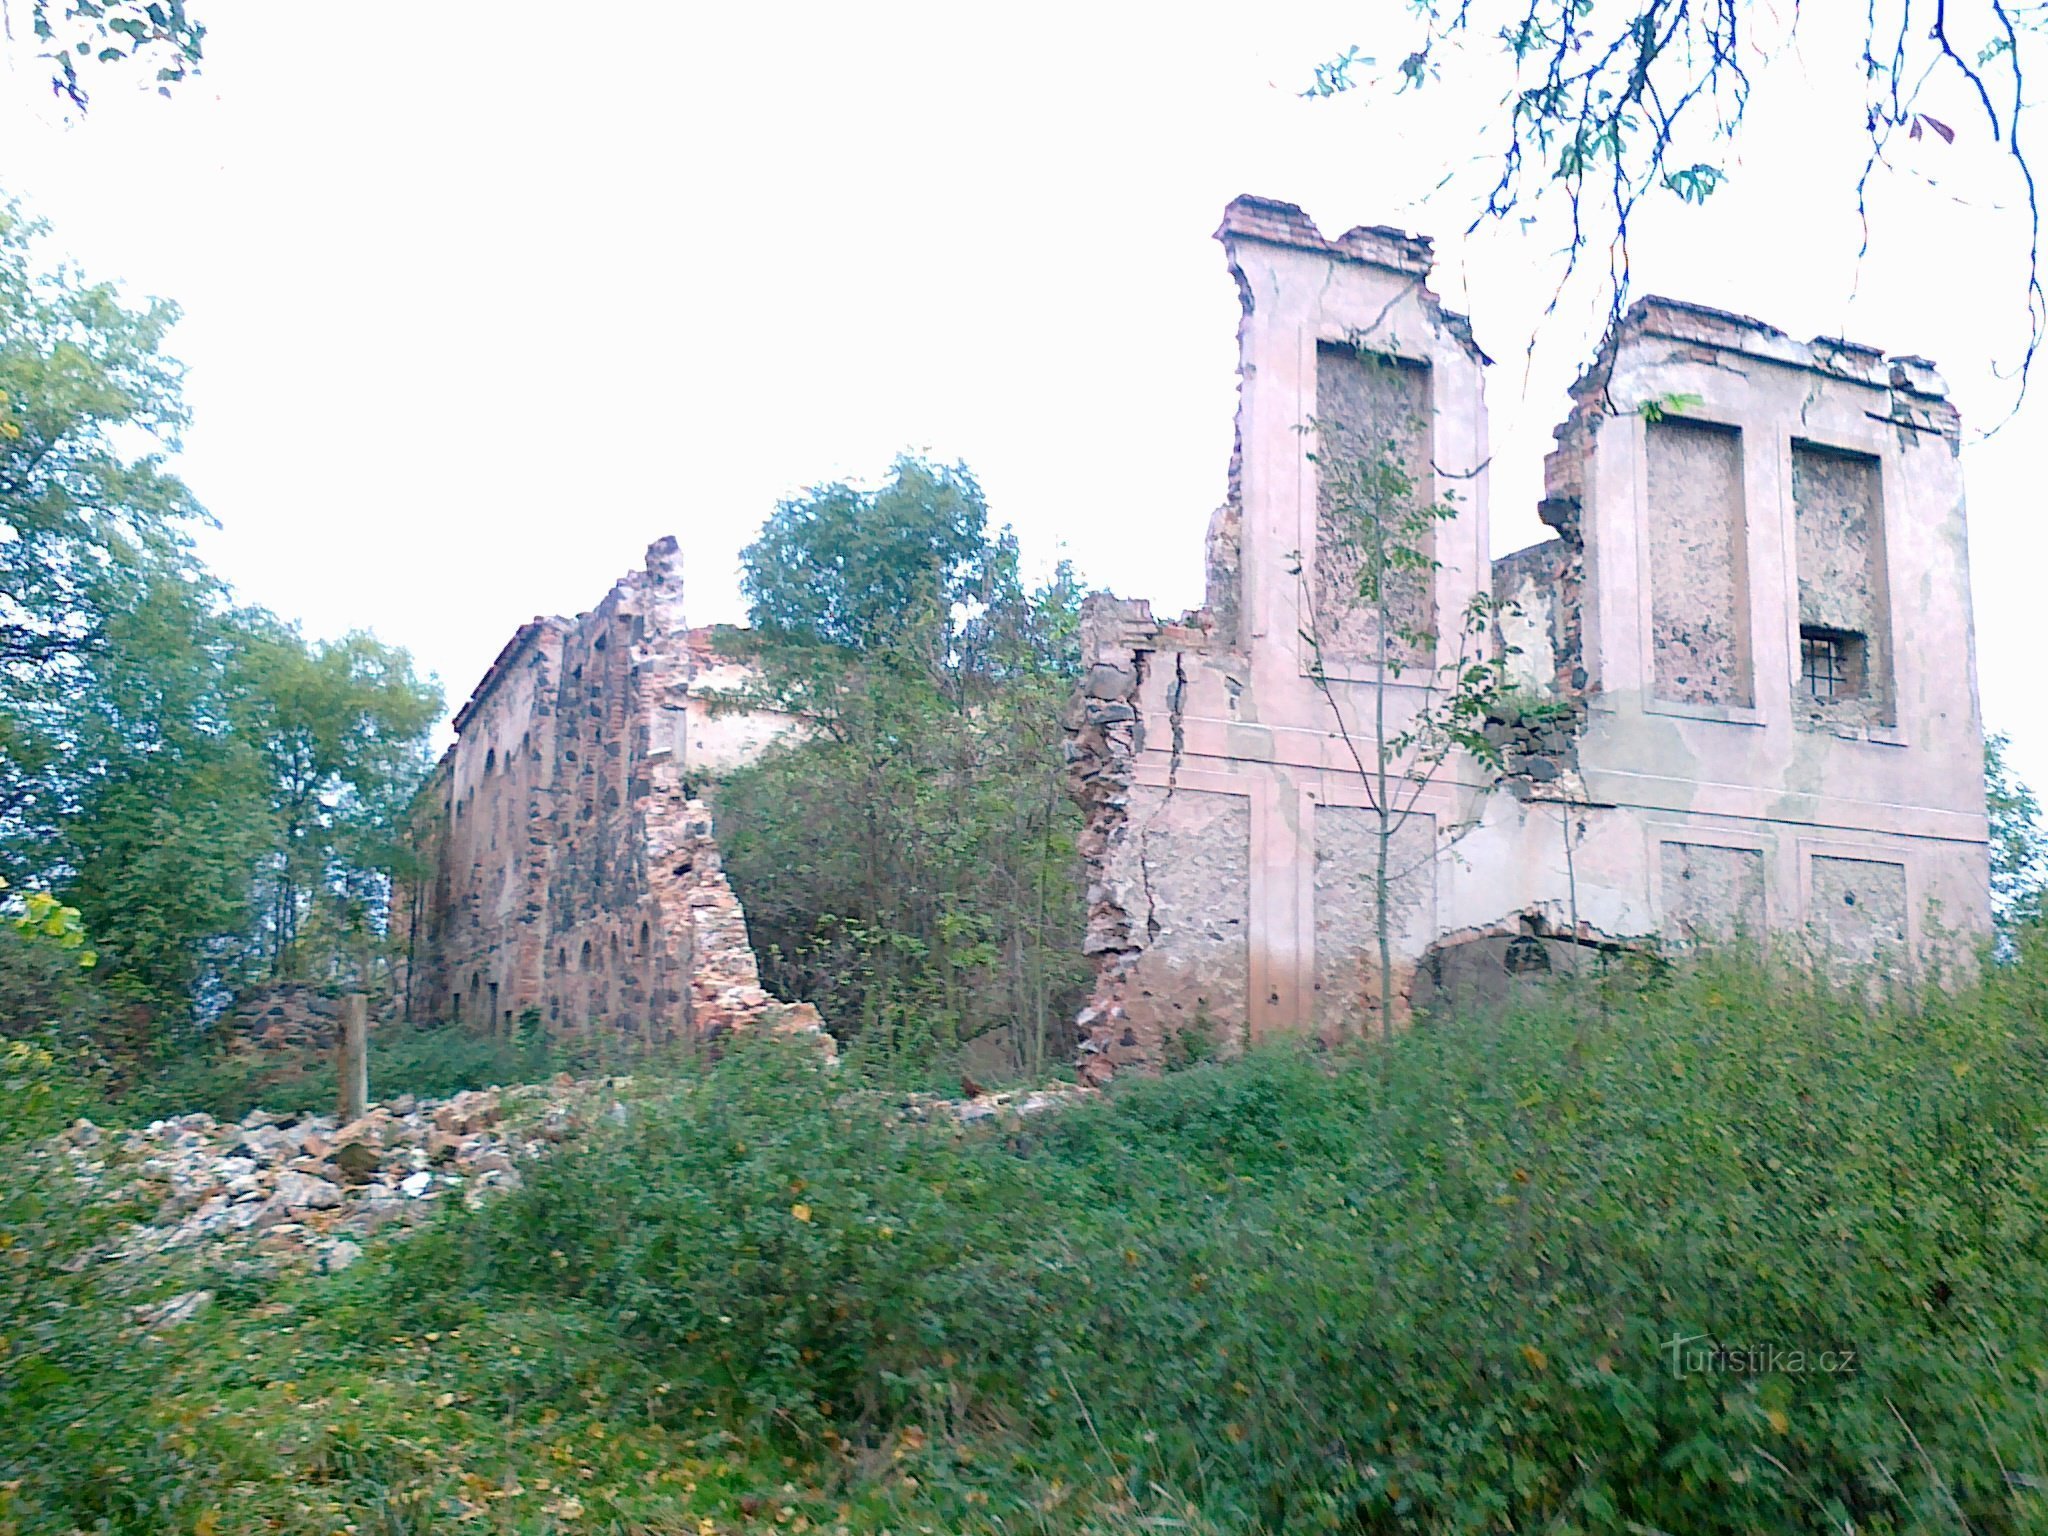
(569, 870)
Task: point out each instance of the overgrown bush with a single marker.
(1472, 1284)
(45, 994)
(69, 1367)
(907, 855)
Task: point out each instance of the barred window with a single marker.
(1830, 663)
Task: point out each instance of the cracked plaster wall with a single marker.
(1372, 416)
(1346, 893)
(1711, 893)
(1858, 911)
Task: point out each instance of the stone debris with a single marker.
(1018, 1102)
(289, 1016)
(305, 1188)
(301, 1189)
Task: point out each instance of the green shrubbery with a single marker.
(907, 859)
(1433, 1286)
(1443, 1291)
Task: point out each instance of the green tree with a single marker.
(1376, 548)
(341, 728)
(214, 794)
(862, 570)
(90, 409)
(908, 858)
(2019, 842)
(237, 798)
(167, 807)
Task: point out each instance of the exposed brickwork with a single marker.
(572, 869)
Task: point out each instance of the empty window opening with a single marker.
(1831, 663)
(493, 1014)
(456, 1009)
(586, 954)
(491, 760)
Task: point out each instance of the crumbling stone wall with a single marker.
(1198, 747)
(573, 870)
(284, 1016)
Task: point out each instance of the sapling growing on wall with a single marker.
(1376, 542)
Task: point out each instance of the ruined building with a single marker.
(1747, 694)
(570, 867)
(1746, 702)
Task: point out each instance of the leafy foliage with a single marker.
(341, 729)
(2019, 843)
(1615, 103)
(908, 859)
(89, 409)
(1442, 1294)
(212, 793)
(153, 35)
(866, 570)
(426, 1062)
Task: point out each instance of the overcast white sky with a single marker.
(478, 304)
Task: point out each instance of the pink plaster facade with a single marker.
(1734, 509)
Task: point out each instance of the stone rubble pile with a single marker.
(303, 1186)
(304, 1189)
(993, 1106)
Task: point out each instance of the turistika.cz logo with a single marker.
(1701, 1354)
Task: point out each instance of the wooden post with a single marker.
(352, 1057)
